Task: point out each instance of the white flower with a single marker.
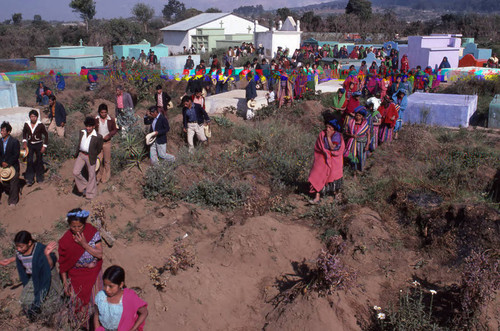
(381, 316)
(377, 308)
(433, 292)
(416, 283)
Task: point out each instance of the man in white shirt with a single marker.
(89, 147)
(105, 125)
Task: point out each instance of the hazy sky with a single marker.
(60, 10)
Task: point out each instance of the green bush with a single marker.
(161, 180)
(223, 194)
(222, 121)
(81, 105)
(324, 214)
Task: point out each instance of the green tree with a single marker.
(283, 13)
(213, 10)
(17, 18)
(86, 8)
(173, 10)
(37, 18)
(143, 13)
(188, 13)
(360, 8)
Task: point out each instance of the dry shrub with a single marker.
(182, 258)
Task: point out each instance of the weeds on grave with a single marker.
(327, 275)
(412, 312)
(128, 232)
(222, 121)
(161, 181)
(286, 156)
(60, 149)
(324, 214)
(81, 105)
(480, 281)
(182, 258)
(222, 194)
(6, 276)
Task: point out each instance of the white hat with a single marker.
(7, 174)
(170, 105)
(150, 138)
(251, 104)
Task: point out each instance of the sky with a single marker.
(60, 10)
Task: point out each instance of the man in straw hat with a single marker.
(157, 136)
(9, 162)
(88, 148)
(35, 139)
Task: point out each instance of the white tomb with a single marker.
(450, 110)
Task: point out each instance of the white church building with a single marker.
(207, 29)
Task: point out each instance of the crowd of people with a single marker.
(50, 281)
(353, 131)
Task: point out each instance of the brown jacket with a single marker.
(36, 136)
(95, 147)
(111, 126)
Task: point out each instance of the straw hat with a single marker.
(170, 105)
(150, 138)
(7, 174)
(24, 154)
(208, 131)
(97, 164)
(251, 104)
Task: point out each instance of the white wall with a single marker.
(175, 40)
(233, 25)
(272, 39)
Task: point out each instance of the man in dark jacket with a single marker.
(159, 128)
(189, 63)
(88, 148)
(35, 139)
(57, 116)
(9, 157)
(162, 99)
(193, 117)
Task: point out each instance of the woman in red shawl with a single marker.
(389, 114)
(327, 169)
(405, 64)
(80, 258)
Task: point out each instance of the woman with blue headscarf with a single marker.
(358, 132)
(80, 259)
(327, 169)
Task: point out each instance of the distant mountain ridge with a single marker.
(451, 5)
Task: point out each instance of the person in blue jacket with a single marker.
(60, 82)
(42, 288)
(401, 100)
(159, 128)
